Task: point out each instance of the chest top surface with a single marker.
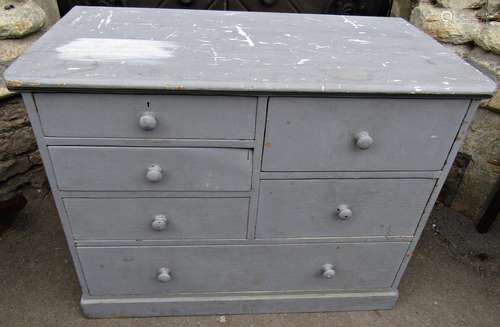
(187, 50)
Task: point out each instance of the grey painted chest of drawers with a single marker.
(223, 162)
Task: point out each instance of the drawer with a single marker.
(317, 134)
(147, 116)
(341, 207)
(157, 218)
(151, 169)
(240, 268)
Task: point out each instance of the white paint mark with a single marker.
(96, 49)
(359, 41)
(173, 34)
(348, 21)
(302, 61)
(73, 68)
(397, 80)
(76, 20)
(450, 78)
(417, 88)
(245, 35)
(262, 42)
(446, 83)
(100, 24)
(215, 55)
(318, 46)
(108, 18)
(386, 63)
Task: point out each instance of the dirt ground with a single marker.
(453, 280)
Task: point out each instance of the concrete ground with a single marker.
(452, 280)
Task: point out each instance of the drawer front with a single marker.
(226, 268)
(327, 134)
(147, 116)
(341, 207)
(157, 218)
(151, 169)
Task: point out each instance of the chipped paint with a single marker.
(351, 22)
(303, 61)
(359, 41)
(242, 32)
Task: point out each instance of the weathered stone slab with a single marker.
(483, 145)
(20, 162)
(19, 18)
(489, 37)
(462, 50)
(493, 6)
(487, 62)
(461, 4)
(446, 25)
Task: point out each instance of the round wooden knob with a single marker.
(154, 174)
(327, 270)
(159, 222)
(363, 140)
(343, 212)
(148, 121)
(164, 275)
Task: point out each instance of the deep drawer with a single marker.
(157, 218)
(326, 134)
(341, 207)
(119, 116)
(151, 169)
(225, 268)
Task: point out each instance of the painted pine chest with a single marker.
(223, 162)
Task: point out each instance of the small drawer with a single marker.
(147, 116)
(151, 169)
(341, 207)
(239, 268)
(157, 218)
(347, 134)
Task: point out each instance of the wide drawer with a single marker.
(157, 218)
(151, 169)
(341, 207)
(171, 116)
(344, 134)
(240, 268)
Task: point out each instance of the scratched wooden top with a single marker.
(130, 49)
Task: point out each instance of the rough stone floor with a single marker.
(453, 280)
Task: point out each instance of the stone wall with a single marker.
(472, 29)
(21, 23)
